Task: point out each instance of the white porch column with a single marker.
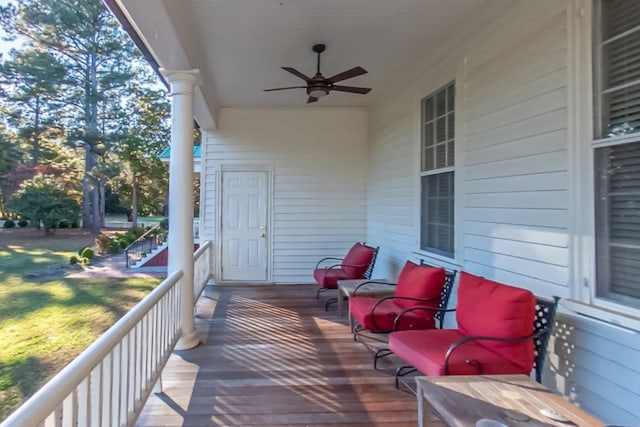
(181, 196)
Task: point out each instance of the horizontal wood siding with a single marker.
(513, 195)
(515, 154)
(319, 162)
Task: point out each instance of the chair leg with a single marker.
(383, 352)
(401, 372)
(319, 291)
(329, 302)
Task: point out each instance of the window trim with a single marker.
(454, 75)
(582, 144)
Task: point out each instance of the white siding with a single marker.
(319, 162)
(513, 212)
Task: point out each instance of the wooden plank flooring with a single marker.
(271, 356)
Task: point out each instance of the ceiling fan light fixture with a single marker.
(318, 92)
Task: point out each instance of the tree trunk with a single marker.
(102, 204)
(35, 151)
(134, 202)
(90, 192)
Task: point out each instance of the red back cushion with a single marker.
(419, 281)
(494, 309)
(357, 260)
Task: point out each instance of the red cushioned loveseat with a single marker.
(499, 329)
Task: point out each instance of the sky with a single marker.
(5, 46)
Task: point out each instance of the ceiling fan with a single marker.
(319, 86)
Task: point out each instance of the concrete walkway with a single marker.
(115, 266)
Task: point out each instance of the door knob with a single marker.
(262, 227)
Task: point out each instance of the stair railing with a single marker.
(144, 245)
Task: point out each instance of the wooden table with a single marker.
(514, 400)
(378, 290)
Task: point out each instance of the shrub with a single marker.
(46, 199)
(63, 224)
(106, 244)
(23, 223)
(74, 260)
(75, 224)
(9, 224)
(87, 253)
(123, 243)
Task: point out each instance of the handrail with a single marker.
(138, 345)
(201, 268)
(143, 237)
(135, 251)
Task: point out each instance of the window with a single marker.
(616, 148)
(437, 171)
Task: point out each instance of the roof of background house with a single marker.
(166, 154)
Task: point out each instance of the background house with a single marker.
(475, 150)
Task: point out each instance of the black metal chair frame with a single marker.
(543, 323)
(366, 275)
(443, 301)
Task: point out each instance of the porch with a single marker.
(271, 356)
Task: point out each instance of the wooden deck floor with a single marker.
(271, 356)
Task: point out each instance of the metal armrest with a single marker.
(327, 258)
(368, 282)
(396, 322)
(380, 301)
(470, 338)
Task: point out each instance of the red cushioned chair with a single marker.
(495, 334)
(357, 264)
(418, 286)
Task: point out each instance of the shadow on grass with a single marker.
(19, 379)
(114, 295)
(24, 261)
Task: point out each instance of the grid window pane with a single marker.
(617, 165)
(441, 155)
(437, 229)
(437, 190)
(618, 222)
(441, 129)
(428, 159)
(428, 134)
(451, 123)
(451, 93)
(427, 105)
(441, 102)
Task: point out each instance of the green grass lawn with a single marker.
(47, 319)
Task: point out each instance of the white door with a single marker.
(244, 225)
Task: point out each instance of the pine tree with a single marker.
(85, 39)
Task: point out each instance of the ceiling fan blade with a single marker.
(312, 99)
(296, 73)
(284, 88)
(354, 72)
(352, 89)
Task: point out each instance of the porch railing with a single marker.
(202, 261)
(109, 382)
(144, 245)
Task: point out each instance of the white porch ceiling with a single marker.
(240, 45)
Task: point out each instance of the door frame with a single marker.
(269, 170)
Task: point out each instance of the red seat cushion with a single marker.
(357, 260)
(490, 308)
(385, 314)
(420, 281)
(426, 350)
(328, 277)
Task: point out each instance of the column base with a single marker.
(187, 341)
